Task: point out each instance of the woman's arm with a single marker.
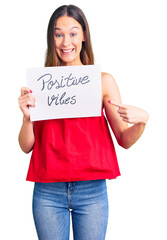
(119, 115)
(26, 135)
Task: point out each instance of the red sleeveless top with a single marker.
(74, 149)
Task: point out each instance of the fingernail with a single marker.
(109, 101)
(30, 91)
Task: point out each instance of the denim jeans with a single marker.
(86, 201)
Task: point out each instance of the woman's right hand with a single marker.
(26, 100)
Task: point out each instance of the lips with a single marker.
(66, 51)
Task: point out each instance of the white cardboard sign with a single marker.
(65, 92)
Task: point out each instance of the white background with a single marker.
(129, 40)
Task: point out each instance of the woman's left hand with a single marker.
(131, 114)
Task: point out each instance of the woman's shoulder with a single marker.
(106, 75)
(108, 81)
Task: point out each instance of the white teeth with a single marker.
(66, 51)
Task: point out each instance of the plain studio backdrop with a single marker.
(130, 42)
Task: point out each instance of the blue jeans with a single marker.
(86, 201)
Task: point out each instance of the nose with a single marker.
(66, 40)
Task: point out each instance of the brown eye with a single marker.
(73, 34)
(58, 35)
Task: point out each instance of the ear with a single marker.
(84, 37)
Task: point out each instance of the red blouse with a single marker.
(74, 149)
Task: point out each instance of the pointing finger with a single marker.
(117, 104)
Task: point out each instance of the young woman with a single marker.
(72, 158)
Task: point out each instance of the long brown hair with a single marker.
(86, 55)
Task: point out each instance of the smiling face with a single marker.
(68, 38)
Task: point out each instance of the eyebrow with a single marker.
(69, 29)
